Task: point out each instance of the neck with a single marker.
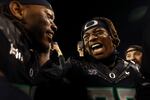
(109, 61)
(43, 58)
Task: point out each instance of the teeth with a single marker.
(95, 45)
(50, 35)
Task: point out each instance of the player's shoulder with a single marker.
(129, 65)
(134, 68)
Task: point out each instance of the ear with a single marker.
(16, 9)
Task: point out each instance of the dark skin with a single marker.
(98, 43)
(38, 20)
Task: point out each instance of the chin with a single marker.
(100, 56)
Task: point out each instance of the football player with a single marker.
(101, 74)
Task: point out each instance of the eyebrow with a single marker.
(99, 29)
(50, 14)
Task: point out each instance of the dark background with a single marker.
(131, 18)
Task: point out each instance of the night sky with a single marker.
(129, 17)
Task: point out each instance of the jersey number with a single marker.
(108, 93)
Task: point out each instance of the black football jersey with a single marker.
(101, 83)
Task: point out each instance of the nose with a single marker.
(92, 37)
(53, 26)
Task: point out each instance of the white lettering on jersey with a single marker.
(14, 51)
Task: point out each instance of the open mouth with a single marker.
(96, 46)
(49, 35)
